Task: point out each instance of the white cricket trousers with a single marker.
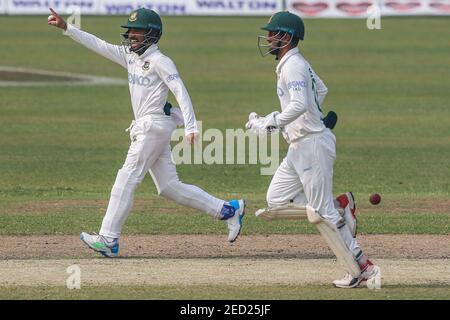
(150, 152)
(306, 177)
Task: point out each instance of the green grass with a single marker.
(275, 292)
(156, 215)
(389, 87)
(60, 147)
(71, 222)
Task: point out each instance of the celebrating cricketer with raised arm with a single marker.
(151, 75)
(303, 184)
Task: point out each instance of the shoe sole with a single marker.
(350, 286)
(362, 280)
(241, 216)
(103, 253)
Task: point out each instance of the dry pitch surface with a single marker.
(208, 260)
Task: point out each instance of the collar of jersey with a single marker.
(288, 54)
(148, 52)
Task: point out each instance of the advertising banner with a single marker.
(235, 7)
(304, 8)
(331, 9)
(194, 7)
(363, 8)
(125, 7)
(41, 6)
(439, 7)
(415, 7)
(403, 7)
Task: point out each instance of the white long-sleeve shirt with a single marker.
(301, 93)
(150, 77)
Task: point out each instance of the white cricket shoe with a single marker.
(347, 202)
(100, 244)
(235, 222)
(349, 282)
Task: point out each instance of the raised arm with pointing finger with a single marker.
(110, 51)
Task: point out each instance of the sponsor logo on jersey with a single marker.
(297, 85)
(173, 77)
(138, 80)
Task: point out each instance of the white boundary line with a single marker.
(79, 79)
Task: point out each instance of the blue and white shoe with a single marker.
(235, 222)
(100, 244)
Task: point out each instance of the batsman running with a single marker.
(151, 75)
(303, 184)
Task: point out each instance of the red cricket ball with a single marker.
(375, 198)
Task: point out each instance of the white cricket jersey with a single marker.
(150, 77)
(301, 93)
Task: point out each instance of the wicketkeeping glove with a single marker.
(254, 123)
(259, 125)
(270, 122)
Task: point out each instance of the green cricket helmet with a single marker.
(282, 23)
(143, 19)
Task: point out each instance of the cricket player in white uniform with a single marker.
(306, 174)
(151, 75)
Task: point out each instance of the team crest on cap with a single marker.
(146, 65)
(133, 16)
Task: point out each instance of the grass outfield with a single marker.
(163, 217)
(389, 88)
(61, 146)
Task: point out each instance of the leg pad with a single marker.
(289, 211)
(334, 239)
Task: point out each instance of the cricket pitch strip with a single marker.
(209, 260)
(221, 271)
